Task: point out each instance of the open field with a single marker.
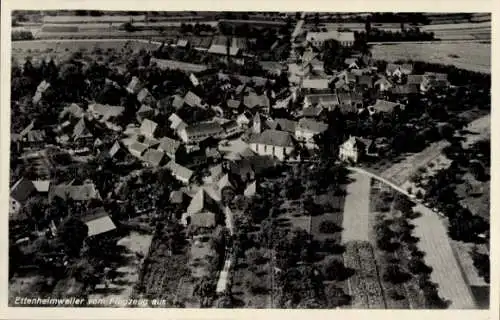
(356, 209)
(472, 56)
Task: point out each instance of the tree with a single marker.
(482, 263)
(71, 235)
(417, 266)
(395, 275)
(204, 289)
(84, 271)
(129, 27)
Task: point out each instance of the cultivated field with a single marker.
(62, 49)
(474, 56)
(461, 31)
(356, 209)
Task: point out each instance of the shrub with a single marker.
(331, 246)
(334, 269)
(417, 266)
(329, 227)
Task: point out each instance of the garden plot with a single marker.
(294, 217)
(121, 287)
(364, 285)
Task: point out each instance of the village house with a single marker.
(257, 101)
(99, 224)
(34, 139)
(317, 66)
(104, 113)
(203, 211)
(116, 152)
(286, 125)
(383, 84)
(350, 102)
(177, 102)
(231, 128)
(405, 89)
(353, 149)
(434, 80)
(233, 104)
(307, 129)
(73, 111)
(398, 70)
(153, 157)
(313, 112)
(261, 123)
(85, 192)
(134, 86)
(172, 148)
(365, 81)
(250, 190)
(192, 100)
(145, 97)
(200, 131)
(182, 43)
(274, 143)
(40, 90)
(144, 112)
(383, 106)
(351, 63)
(315, 83)
(194, 80)
(317, 39)
(181, 173)
(176, 123)
(137, 149)
(81, 134)
(272, 67)
(244, 119)
(20, 192)
(148, 128)
(327, 101)
(222, 50)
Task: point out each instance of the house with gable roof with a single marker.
(197, 132)
(20, 192)
(134, 86)
(306, 130)
(148, 128)
(145, 97)
(40, 90)
(181, 173)
(192, 100)
(203, 211)
(353, 149)
(174, 149)
(279, 144)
